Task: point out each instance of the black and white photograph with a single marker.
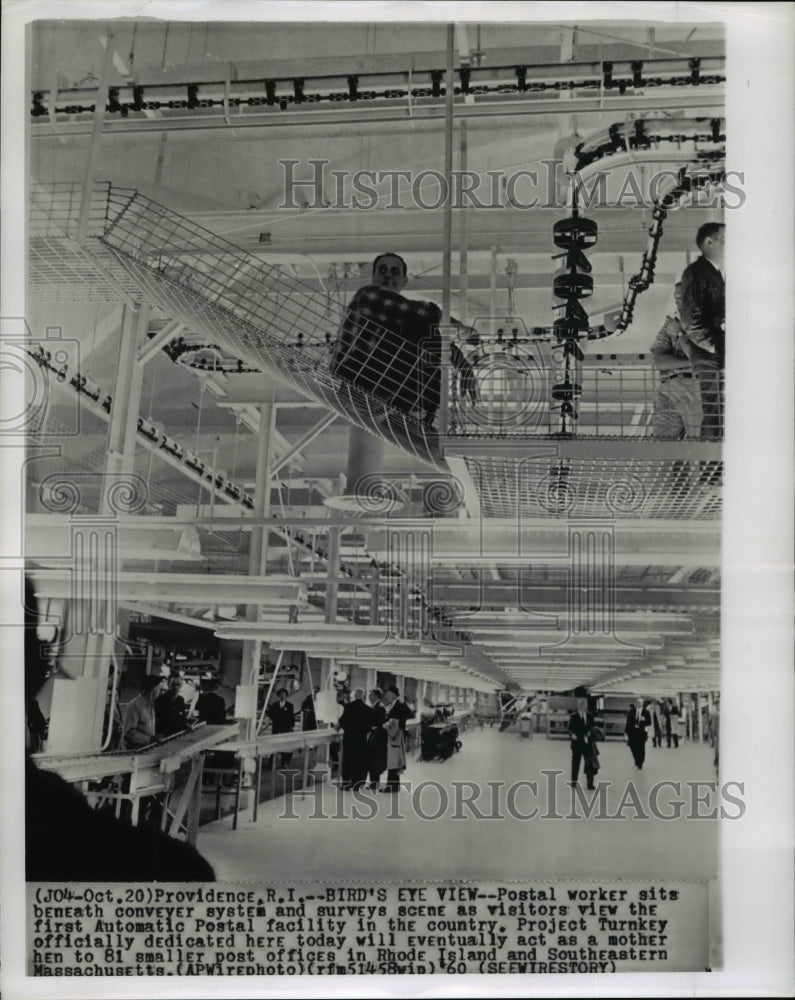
(397, 467)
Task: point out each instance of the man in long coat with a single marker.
(397, 714)
(355, 723)
(377, 739)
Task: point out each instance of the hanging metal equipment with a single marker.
(573, 235)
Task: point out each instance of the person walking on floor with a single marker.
(638, 721)
(654, 710)
(581, 740)
(672, 724)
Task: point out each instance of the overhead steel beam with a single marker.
(460, 284)
(186, 588)
(626, 449)
(554, 597)
(170, 331)
(347, 232)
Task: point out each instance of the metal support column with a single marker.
(463, 265)
(135, 376)
(258, 551)
(125, 406)
(493, 292)
(257, 780)
(447, 252)
(96, 133)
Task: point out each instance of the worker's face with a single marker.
(174, 684)
(715, 246)
(388, 273)
(389, 697)
(156, 691)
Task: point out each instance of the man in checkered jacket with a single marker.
(390, 346)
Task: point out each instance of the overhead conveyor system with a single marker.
(304, 93)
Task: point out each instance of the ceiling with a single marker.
(620, 594)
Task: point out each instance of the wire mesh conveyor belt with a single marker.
(256, 311)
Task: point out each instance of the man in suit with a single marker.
(282, 716)
(377, 739)
(703, 314)
(581, 733)
(171, 712)
(397, 713)
(210, 706)
(355, 723)
(638, 719)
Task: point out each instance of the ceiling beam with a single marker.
(590, 57)
(360, 234)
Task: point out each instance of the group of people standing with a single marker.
(160, 711)
(374, 739)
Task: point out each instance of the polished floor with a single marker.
(524, 822)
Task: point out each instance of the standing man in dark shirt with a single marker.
(703, 314)
(282, 716)
(171, 712)
(308, 715)
(210, 706)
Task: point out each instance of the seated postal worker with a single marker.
(390, 346)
